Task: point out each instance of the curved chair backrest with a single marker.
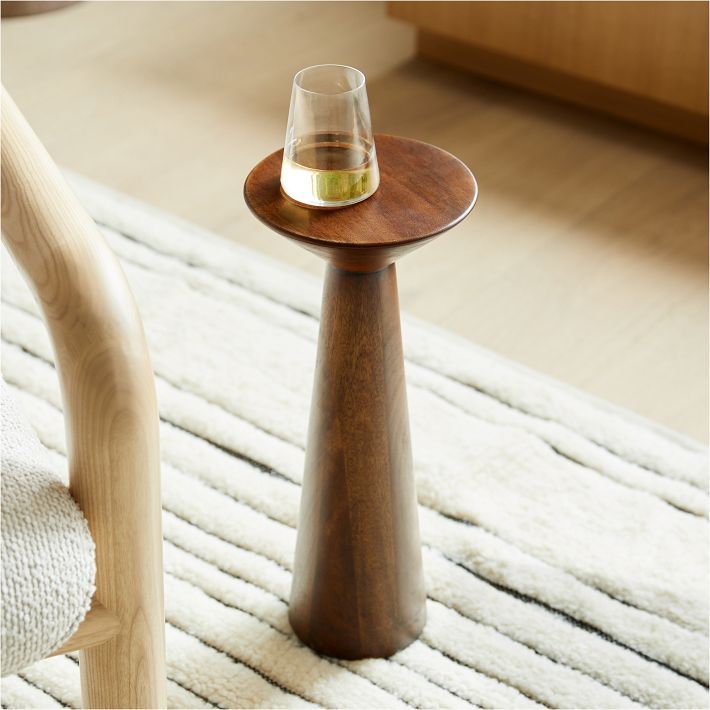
(110, 410)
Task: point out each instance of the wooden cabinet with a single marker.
(644, 61)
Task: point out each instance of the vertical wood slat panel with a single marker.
(652, 51)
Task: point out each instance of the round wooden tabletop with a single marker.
(423, 192)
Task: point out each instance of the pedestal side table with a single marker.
(358, 589)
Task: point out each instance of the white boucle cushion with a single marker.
(48, 556)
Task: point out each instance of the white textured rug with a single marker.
(564, 540)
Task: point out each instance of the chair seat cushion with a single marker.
(48, 555)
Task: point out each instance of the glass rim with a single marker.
(359, 75)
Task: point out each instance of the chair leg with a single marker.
(122, 506)
(124, 514)
(107, 681)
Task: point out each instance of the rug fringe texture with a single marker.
(564, 540)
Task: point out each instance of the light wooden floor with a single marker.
(586, 257)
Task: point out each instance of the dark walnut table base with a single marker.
(358, 588)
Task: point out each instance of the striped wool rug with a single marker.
(564, 540)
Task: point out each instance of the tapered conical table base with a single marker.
(358, 587)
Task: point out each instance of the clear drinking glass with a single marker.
(329, 153)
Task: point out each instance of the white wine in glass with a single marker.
(329, 153)
(330, 169)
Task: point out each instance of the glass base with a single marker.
(329, 205)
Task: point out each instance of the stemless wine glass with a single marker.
(329, 153)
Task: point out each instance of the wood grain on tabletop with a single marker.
(423, 192)
(586, 257)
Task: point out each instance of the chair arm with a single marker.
(109, 399)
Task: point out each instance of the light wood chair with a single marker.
(111, 418)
